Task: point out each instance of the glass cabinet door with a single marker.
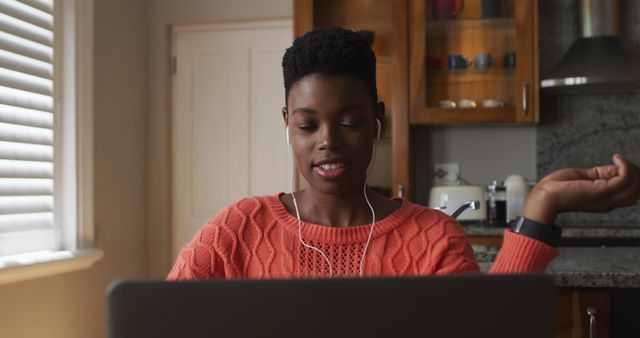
(472, 61)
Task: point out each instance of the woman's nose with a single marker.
(330, 138)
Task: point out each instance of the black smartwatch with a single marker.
(548, 234)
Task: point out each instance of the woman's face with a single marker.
(332, 128)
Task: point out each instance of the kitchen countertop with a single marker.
(589, 267)
(479, 229)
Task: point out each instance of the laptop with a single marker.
(453, 306)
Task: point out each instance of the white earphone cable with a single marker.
(373, 212)
(364, 190)
(295, 204)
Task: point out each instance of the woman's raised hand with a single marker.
(599, 189)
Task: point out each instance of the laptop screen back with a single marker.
(460, 306)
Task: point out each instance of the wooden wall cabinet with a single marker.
(445, 29)
(409, 37)
(388, 21)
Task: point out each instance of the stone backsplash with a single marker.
(587, 129)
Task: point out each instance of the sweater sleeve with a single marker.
(521, 254)
(199, 259)
(208, 254)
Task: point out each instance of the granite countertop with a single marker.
(478, 229)
(589, 267)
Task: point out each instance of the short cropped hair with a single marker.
(330, 51)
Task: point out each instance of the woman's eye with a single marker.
(307, 127)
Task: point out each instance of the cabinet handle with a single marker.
(591, 312)
(524, 98)
(400, 190)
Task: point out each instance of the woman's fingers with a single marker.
(596, 173)
(605, 172)
(632, 193)
(625, 187)
(598, 189)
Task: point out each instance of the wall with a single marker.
(586, 130)
(72, 305)
(161, 14)
(485, 153)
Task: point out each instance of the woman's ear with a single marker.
(380, 111)
(285, 116)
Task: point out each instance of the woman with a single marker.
(338, 227)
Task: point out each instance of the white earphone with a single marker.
(373, 213)
(286, 131)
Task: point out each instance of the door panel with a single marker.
(228, 135)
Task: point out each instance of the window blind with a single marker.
(26, 126)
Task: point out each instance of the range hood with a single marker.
(599, 61)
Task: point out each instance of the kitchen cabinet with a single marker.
(498, 38)
(603, 278)
(387, 20)
(578, 310)
(410, 41)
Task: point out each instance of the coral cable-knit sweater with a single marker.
(257, 238)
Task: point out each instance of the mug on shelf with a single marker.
(447, 104)
(434, 62)
(491, 8)
(465, 103)
(510, 60)
(446, 9)
(490, 103)
(458, 61)
(483, 61)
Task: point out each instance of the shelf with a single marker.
(438, 115)
(448, 26)
(449, 77)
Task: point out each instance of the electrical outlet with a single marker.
(446, 174)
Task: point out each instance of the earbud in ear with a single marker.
(378, 129)
(286, 132)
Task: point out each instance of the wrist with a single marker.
(548, 234)
(538, 208)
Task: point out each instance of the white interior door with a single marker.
(228, 135)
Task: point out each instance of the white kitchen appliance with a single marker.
(450, 198)
(517, 189)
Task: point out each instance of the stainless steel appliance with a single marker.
(599, 61)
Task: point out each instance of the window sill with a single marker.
(36, 265)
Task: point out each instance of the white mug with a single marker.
(467, 103)
(492, 103)
(447, 104)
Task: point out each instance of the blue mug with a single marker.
(457, 61)
(491, 8)
(510, 60)
(483, 61)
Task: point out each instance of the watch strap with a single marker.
(548, 234)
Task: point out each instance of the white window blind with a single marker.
(26, 127)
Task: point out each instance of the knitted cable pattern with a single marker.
(257, 238)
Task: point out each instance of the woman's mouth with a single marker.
(330, 169)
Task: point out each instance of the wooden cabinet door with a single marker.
(574, 310)
(387, 20)
(600, 303)
(460, 61)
